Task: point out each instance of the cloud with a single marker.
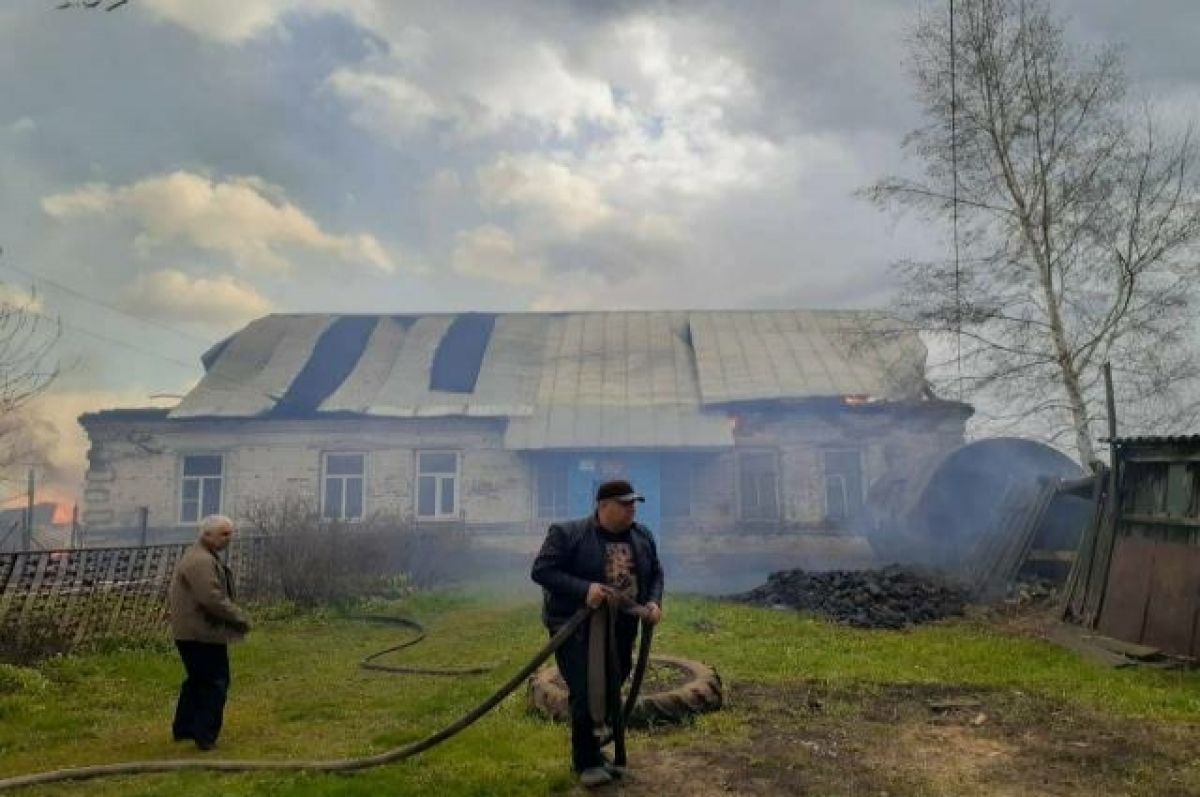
(23, 126)
(172, 295)
(491, 252)
(388, 104)
(236, 21)
(549, 189)
(478, 88)
(243, 218)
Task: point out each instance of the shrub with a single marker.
(39, 635)
(309, 560)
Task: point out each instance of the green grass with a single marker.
(297, 693)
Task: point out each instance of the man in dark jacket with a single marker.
(603, 557)
(204, 620)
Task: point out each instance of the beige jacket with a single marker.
(201, 600)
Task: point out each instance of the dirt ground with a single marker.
(930, 740)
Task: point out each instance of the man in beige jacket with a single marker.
(204, 620)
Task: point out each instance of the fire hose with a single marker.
(617, 735)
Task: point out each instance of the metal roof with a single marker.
(748, 356)
(254, 370)
(1158, 440)
(624, 379)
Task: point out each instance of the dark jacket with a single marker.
(572, 558)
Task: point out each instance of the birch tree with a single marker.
(1077, 224)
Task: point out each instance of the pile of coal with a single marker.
(891, 597)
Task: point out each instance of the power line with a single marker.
(113, 308)
(91, 333)
(124, 343)
(954, 202)
(158, 355)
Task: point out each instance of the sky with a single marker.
(174, 169)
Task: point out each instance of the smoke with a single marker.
(45, 435)
(946, 515)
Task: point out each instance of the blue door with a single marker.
(588, 471)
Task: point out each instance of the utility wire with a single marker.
(91, 333)
(149, 352)
(954, 202)
(91, 300)
(123, 343)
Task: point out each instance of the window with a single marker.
(551, 483)
(843, 484)
(201, 489)
(758, 490)
(342, 494)
(437, 484)
(677, 486)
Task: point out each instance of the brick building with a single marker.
(762, 427)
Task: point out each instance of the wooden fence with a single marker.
(55, 601)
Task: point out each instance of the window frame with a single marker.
(688, 466)
(202, 491)
(846, 492)
(773, 456)
(561, 465)
(344, 479)
(439, 481)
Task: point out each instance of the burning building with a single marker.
(752, 434)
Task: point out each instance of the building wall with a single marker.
(139, 464)
(136, 464)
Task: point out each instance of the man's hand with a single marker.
(596, 595)
(653, 613)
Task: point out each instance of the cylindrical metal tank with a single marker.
(942, 515)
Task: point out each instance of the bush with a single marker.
(308, 560)
(39, 635)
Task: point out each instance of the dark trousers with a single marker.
(572, 659)
(201, 706)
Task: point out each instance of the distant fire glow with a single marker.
(856, 399)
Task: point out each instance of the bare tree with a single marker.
(89, 5)
(27, 341)
(1076, 222)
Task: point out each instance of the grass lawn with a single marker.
(813, 708)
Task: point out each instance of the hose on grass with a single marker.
(345, 764)
(371, 663)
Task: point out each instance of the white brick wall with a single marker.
(273, 459)
(138, 463)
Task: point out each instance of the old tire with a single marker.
(700, 692)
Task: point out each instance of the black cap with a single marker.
(618, 490)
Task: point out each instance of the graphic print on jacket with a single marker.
(620, 569)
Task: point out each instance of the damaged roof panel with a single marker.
(363, 385)
(530, 365)
(394, 374)
(334, 356)
(459, 355)
(256, 368)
